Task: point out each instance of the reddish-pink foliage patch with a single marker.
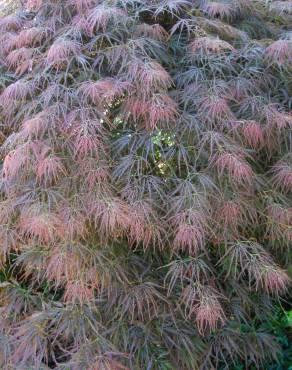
(273, 280)
(189, 230)
(253, 133)
(78, 292)
(15, 92)
(20, 60)
(237, 168)
(155, 31)
(282, 175)
(39, 223)
(280, 51)
(216, 9)
(210, 45)
(62, 50)
(104, 91)
(111, 216)
(100, 16)
(10, 23)
(34, 5)
(30, 37)
(160, 108)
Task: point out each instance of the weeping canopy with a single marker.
(146, 180)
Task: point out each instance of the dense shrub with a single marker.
(145, 210)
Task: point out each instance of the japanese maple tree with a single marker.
(146, 181)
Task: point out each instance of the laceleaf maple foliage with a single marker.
(146, 180)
